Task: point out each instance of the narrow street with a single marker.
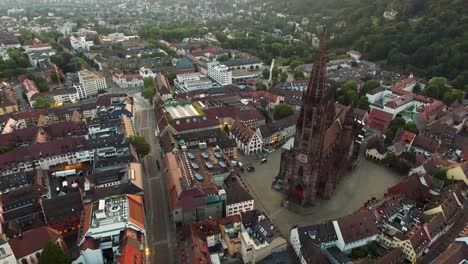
(158, 224)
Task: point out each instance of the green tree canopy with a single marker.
(282, 110)
(283, 77)
(56, 77)
(53, 254)
(266, 73)
(350, 85)
(274, 72)
(368, 86)
(452, 96)
(395, 124)
(294, 63)
(44, 102)
(259, 86)
(411, 127)
(363, 103)
(139, 143)
(299, 75)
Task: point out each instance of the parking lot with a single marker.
(367, 181)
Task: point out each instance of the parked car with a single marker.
(250, 168)
(263, 160)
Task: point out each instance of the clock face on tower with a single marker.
(302, 158)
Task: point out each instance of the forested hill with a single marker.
(426, 37)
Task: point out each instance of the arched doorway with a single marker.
(299, 192)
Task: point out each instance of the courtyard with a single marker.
(367, 181)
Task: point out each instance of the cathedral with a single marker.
(326, 144)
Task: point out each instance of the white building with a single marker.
(397, 104)
(7, 41)
(38, 53)
(247, 140)
(107, 218)
(6, 253)
(145, 72)
(187, 82)
(47, 157)
(68, 95)
(80, 43)
(356, 230)
(91, 84)
(31, 89)
(220, 73)
(127, 80)
(28, 247)
(238, 199)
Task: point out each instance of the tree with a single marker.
(5, 148)
(53, 254)
(148, 82)
(417, 88)
(437, 81)
(368, 86)
(283, 77)
(259, 86)
(56, 77)
(294, 63)
(395, 124)
(266, 73)
(274, 72)
(44, 102)
(432, 91)
(139, 143)
(148, 93)
(299, 75)
(282, 110)
(171, 77)
(223, 58)
(363, 103)
(459, 82)
(440, 173)
(452, 96)
(350, 85)
(411, 127)
(266, 115)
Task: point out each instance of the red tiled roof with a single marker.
(435, 225)
(412, 188)
(400, 85)
(379, 119)
(456, 253)
(32, 241)
(242, 132)
(407, 136)
(418, 239)
(86, 221)
(135, 207)
(426, 143)
(193, 198)
(29, 115)
(37, 151)
(131, 252)
(357, 226)
(272, 98)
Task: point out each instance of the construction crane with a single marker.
(57, 74)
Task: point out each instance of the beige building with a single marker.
(259, 237)
(8, 102)
(459, 172)
(412, 244)
(90, 84)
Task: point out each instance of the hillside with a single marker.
(426, 37)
